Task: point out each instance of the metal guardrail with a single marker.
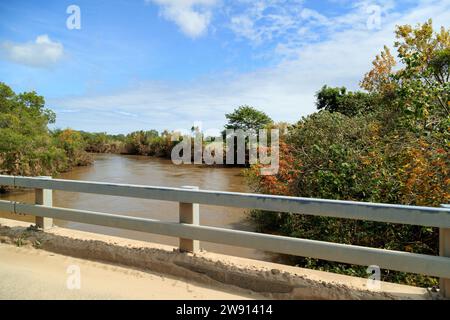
(190, 232)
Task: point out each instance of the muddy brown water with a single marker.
(156, 172)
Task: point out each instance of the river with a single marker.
(155, 172)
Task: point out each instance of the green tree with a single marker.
(345, 102)
(420, 90)
(26, 145)
(246, 118)
(72, 142)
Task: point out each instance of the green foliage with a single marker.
(246, 118)
(26, 145)
(440, 65)
(103, 142)
(74, 146)
(345, 102)
(359, 158)
(149, 143)
(390, 145)
(423, 87)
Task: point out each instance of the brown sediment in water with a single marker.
(146, 170)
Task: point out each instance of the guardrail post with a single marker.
(44, 197)
(444, 250)
(189, 213)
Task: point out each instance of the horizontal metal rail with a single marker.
(394, 260)
(189, 199)
(413, 215)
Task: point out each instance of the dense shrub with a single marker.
(394, 151)
(149, 143)
(103, 142)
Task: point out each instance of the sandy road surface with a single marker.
(27, 273)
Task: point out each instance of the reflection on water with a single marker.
(156, 172)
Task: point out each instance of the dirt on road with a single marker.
(28, 273)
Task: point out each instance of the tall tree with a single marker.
(246, 118)
(27, 147)
(423, 82)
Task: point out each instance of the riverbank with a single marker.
(223, 272)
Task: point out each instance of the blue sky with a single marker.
(167, 64)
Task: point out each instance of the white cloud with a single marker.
(265, 20)
(285, 91)
(309, 14)
(43, 52)
(289, 24)
(191, 16)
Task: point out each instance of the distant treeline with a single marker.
(29, 148)
(153, 143)
(148, 143)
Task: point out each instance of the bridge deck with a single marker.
(224, 275)
(27, 273)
